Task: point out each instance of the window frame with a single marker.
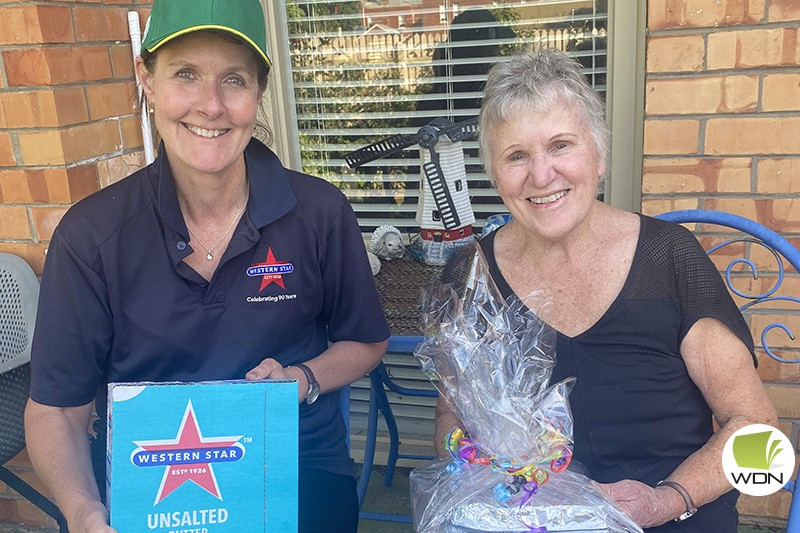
(625, 97)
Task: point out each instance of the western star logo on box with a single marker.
(210, 457)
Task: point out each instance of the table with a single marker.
(399, 282)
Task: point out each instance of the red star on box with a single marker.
(189, 439)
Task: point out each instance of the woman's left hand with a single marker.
(645, 505)
(271, 369)
(268, 368)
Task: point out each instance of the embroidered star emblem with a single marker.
(276, 268)
(189, 439)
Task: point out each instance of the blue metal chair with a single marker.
(754, 234)
(380, 380)
(779, 247)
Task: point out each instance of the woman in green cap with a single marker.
(214, 262)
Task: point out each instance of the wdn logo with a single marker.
(758, 459)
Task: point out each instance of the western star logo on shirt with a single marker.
(270, 271)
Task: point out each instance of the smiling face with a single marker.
(547, 169)
(205, 92)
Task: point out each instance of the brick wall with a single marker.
(67, 118)
(722, 131)
(67, 126)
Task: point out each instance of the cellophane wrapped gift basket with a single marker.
(510, 460)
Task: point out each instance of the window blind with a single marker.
(362, 71)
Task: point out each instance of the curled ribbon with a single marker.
(526, 478)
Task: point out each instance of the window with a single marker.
(355, 72)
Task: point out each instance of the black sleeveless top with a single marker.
(637, 413)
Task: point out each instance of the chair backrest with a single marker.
(754, 234)
(19, 293)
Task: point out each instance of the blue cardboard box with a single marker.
(208, 457)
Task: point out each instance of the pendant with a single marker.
(209, 256)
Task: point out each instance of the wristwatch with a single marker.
(691, 509)
(313, 384)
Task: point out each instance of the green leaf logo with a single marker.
(755, 451)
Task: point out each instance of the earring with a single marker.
(152, 110)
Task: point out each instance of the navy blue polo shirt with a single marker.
(117, 303)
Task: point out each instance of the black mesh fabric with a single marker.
(13, 396)
(14, 339)
(637, 413)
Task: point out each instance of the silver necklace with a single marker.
(208, 250)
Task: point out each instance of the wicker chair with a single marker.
(19, 290)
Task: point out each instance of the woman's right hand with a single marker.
(92, 519)
(58, 446)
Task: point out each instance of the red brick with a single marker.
(45, 220)
(785, 214)
(675, 54)
(57, 65)
(47, 185)
(753, 48)
(132, 132)
(687, 175)
(756, 135)
(6, 150)
(70, 106)
(70, 145)
(784, 10)
(20, 460)
(42, 148)
(786, 400)
(82, 181)
(28, 109)
(667, 137)
(26, 67)
(745, 207)
(31, 24)
(781, 92)
(101, 23)
(111, 100)
(20, 511)
(122, 61)
(14, 223)
(779, 175)
(767, 268)
(19, 186)
(32, 253)
(19, 25)
(79, 64)
(696, 95)
(36, 109)
(775, 505)
(771, 370)
(702, 13)
(115, 168)
(91, 140)
(55, 23)
(29, 476)
(656, 206)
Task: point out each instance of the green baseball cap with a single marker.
(172, 18)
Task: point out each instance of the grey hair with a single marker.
(535, 80)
